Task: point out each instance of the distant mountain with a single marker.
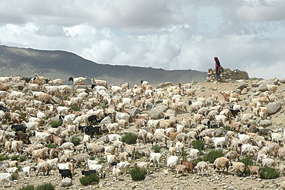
(60, 64)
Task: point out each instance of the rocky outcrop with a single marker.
(227, 75)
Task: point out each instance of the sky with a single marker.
(247, 35)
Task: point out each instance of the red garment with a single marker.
(217, 63)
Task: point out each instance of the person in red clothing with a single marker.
(218, 65)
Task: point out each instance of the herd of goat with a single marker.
(225, 119)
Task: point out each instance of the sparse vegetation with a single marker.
(137, 174)
(14, 157)
(46, 186)
(52, 145)
(28, 187)
(87, 180)
(75, 108)
(156, 149)
(212, 155)
(198, 144)
(269, 173)
(56, 123)
(22, 158)
(75, 140)
(14, 177)
(130, 138)
(4, 158)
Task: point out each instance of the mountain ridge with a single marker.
(62, 64)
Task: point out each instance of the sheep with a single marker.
(194, 153)
(27, 170)
(189, 165)
(44, 167)
(181, 169)
(81, 158)
(219, 141)
(232, 155)
(124, 166)
(5, 177)
(129, 149)
(77, 80)
(142, 165)
(268, 162)
(253, 170)
(203, 166)
(171, 161)
(222, 162)
(238, 167)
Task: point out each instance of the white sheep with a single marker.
(203, 166)
(222, 163)
(238, 166)
(5, 177)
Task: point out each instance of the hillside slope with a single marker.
(60, 64)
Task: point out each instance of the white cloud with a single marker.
(245, 35)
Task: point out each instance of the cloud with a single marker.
(246, 35)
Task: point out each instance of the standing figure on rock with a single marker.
(218, 68)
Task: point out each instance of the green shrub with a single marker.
(87, 180)
(55, 123)
(22, 158)
(75, 140)
(92, 158)
(138, 174)
(14, 177)
(156, 149)
(28, 187)
(198, 144)
(4, 158)
(14, 157)
(46, 186)
(75, 108)
(196, 161)
(268, 173)
(52, 145)
(130, 138)
(213, 155)
(101, 161)
(247, 162)
(228, 128)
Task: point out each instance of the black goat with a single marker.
(4, 109)
(65, 173)
(234, 112)
(61, 117)
(92, 119)
(86, 173)
(19, 128)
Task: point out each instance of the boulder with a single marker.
(165, 84)
(134, 112)
(262, 87)
(149, 106)
(66, 182)
(242, 85)
(274, 80)
(282, 81)
(155, 113)
(273, 107)
(265, 123)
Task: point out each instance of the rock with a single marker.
(242, 85)
(282, 80)
(134, 112)
(265, 123)
(155, 113)
(193, 82)
(159, 101)
(102, 184)
(255, 84)
(66, 182)
(273, 107)
(147, 178)
(165, 84)
(262, 87)
(274, 80)
(149, 106)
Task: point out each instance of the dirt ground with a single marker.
(163, 178)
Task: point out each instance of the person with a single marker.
(218, 65)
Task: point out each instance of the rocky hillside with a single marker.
(61, 64)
